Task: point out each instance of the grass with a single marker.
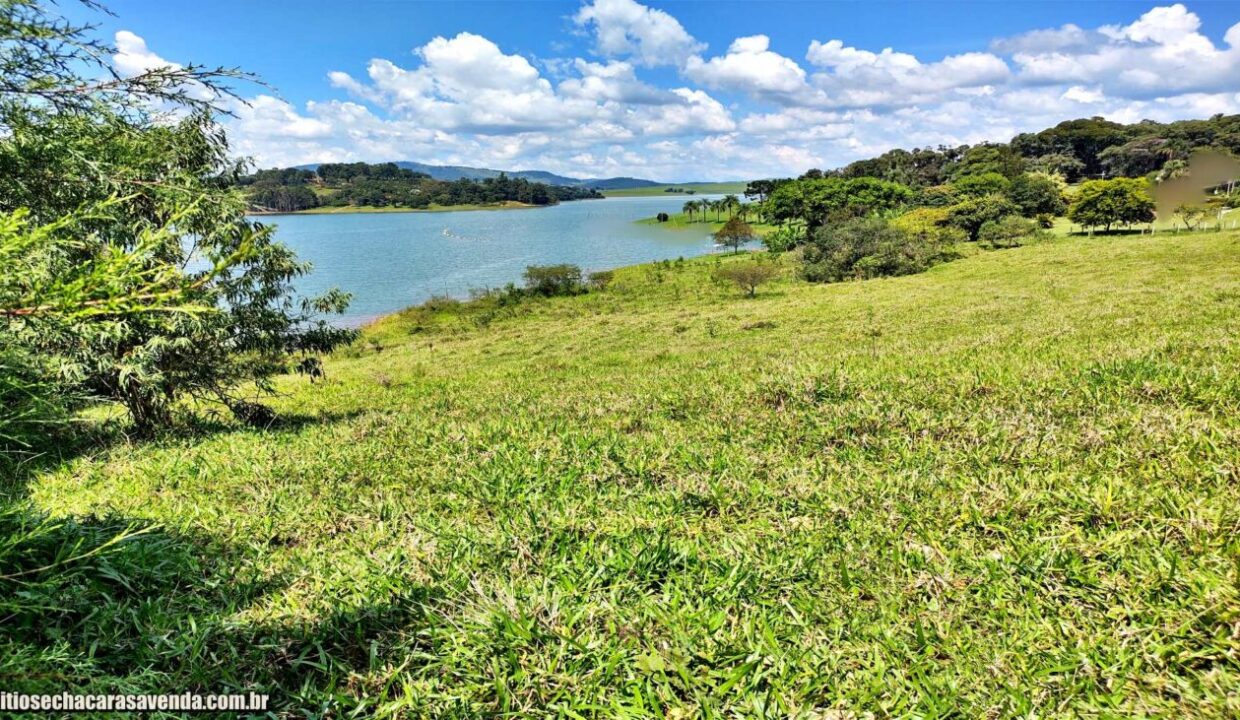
(681, 221)
(698, 188)
(1007, 487)
(350, 209)
(1229, 220)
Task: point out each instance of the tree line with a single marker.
(1077, 150)
(388, 185)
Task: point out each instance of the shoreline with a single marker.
(371, 209)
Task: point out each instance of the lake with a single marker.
(390, 261)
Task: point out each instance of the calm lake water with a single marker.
(390, 261)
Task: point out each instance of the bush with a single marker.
(1008, 232)
(971, 215)
(783, 239)
(552, 280)
(747, 276)
(868, 248)
(601, 279)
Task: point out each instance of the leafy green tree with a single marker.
(1106, 203)
(989, 158)
(814, 201)
(735, 233)
(1037, 195)
(1083, 139)
(975, 186)
(71, 143)
(971, 215)
(689, 208)
(1138, 157)
(864, 248)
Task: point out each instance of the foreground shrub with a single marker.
(553, 280)
(1008, 232)
(868, 248)
(601, 279)
(747, 276)
(783, 239)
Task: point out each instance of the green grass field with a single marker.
(701, 188)
(1006, 487)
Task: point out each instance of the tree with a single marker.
(1193, 215)
(1037, 195)
(689, 208)
(735, 233)
(815, 201)
(866, 248)
(989, 158)
(138, 183)
(971, 215)
(1138, 157)
(975, 186)
(748, 275)
(1105, 203)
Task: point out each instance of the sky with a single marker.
(678, 91)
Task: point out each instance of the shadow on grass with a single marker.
(100, 437)
(114, 606)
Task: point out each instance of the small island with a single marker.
(387, 187)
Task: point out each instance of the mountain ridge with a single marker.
(458, 172)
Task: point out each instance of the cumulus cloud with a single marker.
(625, 28)
(745, 112)
(749, 67)
(132, 56)
(1161, 53)
(859, 78)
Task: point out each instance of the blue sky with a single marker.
(680, 90)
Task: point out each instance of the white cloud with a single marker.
(749, 67)
(133, 57)
(625, 28)
(1162, 52)
(858, 78)
(613, 81)
(464, 100)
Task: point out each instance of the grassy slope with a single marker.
(705, 188)
(1008, 486)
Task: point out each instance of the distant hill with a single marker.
(457, 172)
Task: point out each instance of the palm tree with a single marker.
(689, 208)
(731, 204)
